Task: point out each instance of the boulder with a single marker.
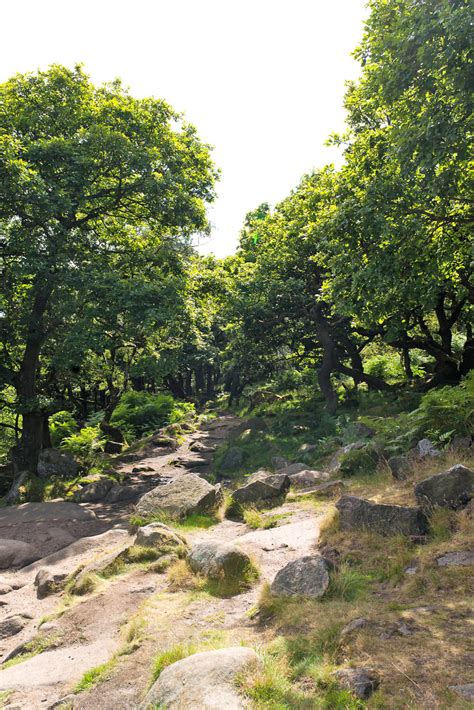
(53, 462)
(254, 424)
(466, 692)
(16, 553)
(399, 467)
(49, 512)
(120, 494)
(158, 535)
(307, 576)
(233, 458)
(360, 681)
(359, 514)
(94, 492)
(279, 462)
(183, 496)
(218, 559)
(48, 582)
(453, 488)
(204, 680)
(264, 488)
(307, 478)
(464, 558)
(12, 625)
(293, 468)
(462, 443)
(363, 430)
(424, 449)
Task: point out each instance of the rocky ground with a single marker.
(97, 648)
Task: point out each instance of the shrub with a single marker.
(61, 425)
(88, 442)
(448, 411)
(139, 413)
(358, 462)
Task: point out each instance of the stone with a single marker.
(12, 625)
(119, 494)
(453, 488)
(464, 558)
(202, 448)
(359, 514)
(307, 478)
(94, 492)
(294, 468)
(218, 559)
(158, 535)
(50, 512)
(424, 449)
(264, 488)
(399, 467)
(204, 680)
(363, 430)
(463, 691)
(462, 443)
(278, 462)
(53, 462)
(353, 626)
(307, 576)
(362, 682)
(185, 495)
(336, 461)
(233, 458)
(325, 490)
(16, 553)
(48, 582)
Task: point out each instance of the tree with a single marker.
(87, 173)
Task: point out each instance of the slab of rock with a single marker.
(202, 448)
(360, 681)
(464, 558)
(16, 553)
(293, 468)
(49, 512)
(278, 462)
(399, 467)
(120, 494)
(12, 625)
(354, 625)
(203, 680)
(359, 514)
(308, 576)
(48, 582)
(464, 691)
(307, 478)
(263, 488)
(462, 443)
(233, 458)
(184, 496)
(53, 462)
(453, 488)
(218, 559)
(94, 492)
(158, 535)
(325, 490)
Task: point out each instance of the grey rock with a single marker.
(265, 488)
(462, 443)
(399, 466)
(424, 449)
(451, 489)
(307, 478)
(184, 496)
(353, 626)
(233, 458)
(52, 512)
(464, 558)
(16, 553)
(325, 490)
(94, 492)
(359, 514)
(278, 462)
(204, 680)
(158, 535)
(464, 691)
(294, 468)
(307, 576)
(218, 559)
(48, 582)
(119, 494)
(362, 429)
(12, 625)
(362, 682)
(53, 462)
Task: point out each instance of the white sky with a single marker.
(263, 81)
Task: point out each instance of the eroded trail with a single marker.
(138, 611)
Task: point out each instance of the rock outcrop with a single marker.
(453, 488)
(217, 560)
(308, 576)
(360, 681)
(53, 462)
(185, 495)
(203, 680)
(359, 514)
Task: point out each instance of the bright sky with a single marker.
(262, 80)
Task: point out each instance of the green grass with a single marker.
(347, 584)
(255, 519)
(33, 648)
(96, 675)
(192, 522)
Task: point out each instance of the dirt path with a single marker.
(95, 627)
